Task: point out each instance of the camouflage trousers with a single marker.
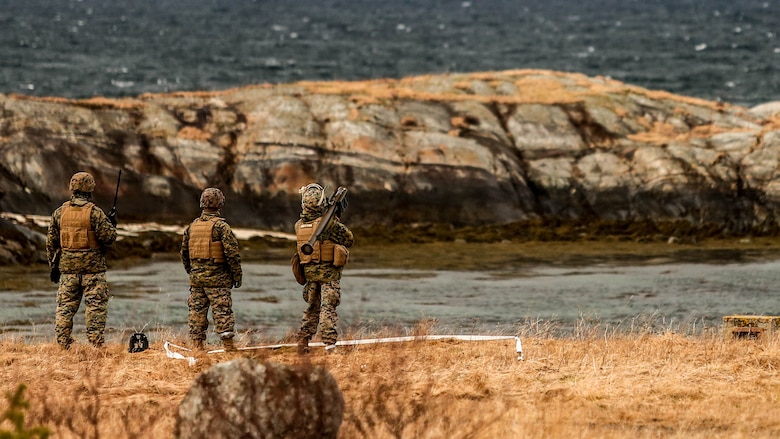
(221, 303)
(94, 289)
(323, 298)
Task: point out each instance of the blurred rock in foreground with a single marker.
(245, 399)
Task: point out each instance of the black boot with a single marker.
(303, 345)
(229, 345)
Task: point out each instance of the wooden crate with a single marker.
(749, 327)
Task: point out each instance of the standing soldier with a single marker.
(209, 252)
(322, 267)
(76, 247)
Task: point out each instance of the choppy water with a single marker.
(269, 304)
(714, 49)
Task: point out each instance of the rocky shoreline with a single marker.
(476, 149)
(22, 242)
(479, 157)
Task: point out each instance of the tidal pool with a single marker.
(269, 305)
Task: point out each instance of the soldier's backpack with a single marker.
(138, 342)
(297, 269)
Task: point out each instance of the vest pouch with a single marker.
(297, 269)
(326, 252)
(314, 257)
(340, 255)
(303, 258)
(75, 239)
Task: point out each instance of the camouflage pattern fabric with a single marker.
(221, 304)
(94, 289)
(312, 198)
(89, 261)
(83, 274)
(211, 282)
(207, 273)
(323, 298)
(82, 182)
(322, 291)
(212, 198)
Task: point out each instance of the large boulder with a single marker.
(243, 398)
(464, 149)
(19, 244)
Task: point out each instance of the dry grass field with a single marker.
(596, 383)
(593, 382)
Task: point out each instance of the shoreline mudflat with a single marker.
(432, 254)
(465, 287)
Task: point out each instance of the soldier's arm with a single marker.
(53, 236)
(231, 249)
(342, 235)
(184, 253)
(104, 230)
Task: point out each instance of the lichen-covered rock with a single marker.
(464, 149)
(243, 398)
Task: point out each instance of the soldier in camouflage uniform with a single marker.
(76, 247)
(209, 252)
(322, 290)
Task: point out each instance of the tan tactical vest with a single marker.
(324, 251)
(201, 245)
(76, 232)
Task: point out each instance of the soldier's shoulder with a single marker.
(96, 210)
(222, 224)
(221, 221)
(62, 206)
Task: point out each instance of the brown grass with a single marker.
(94, 103)
(596, 383)
(534, 86)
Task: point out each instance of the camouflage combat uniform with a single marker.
(83, 270)
(211, 279)
(322, 291)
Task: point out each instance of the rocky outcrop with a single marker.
(20, 244)
(243, 398)
(463, 149)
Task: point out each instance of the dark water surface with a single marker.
(714, 49)
(687, 297)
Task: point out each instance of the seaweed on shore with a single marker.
(598, 236)
(555, 229)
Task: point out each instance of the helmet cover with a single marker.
(312, 196)
(82, 182)
(212, 198)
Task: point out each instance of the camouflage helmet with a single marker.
(212, 198)
(312, 196)
(82, 182)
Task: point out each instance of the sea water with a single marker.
(714, 49)
(686, 297)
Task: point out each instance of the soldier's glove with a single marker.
(112, 216)
(341, 206)
(237, 283)
(54, 275)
